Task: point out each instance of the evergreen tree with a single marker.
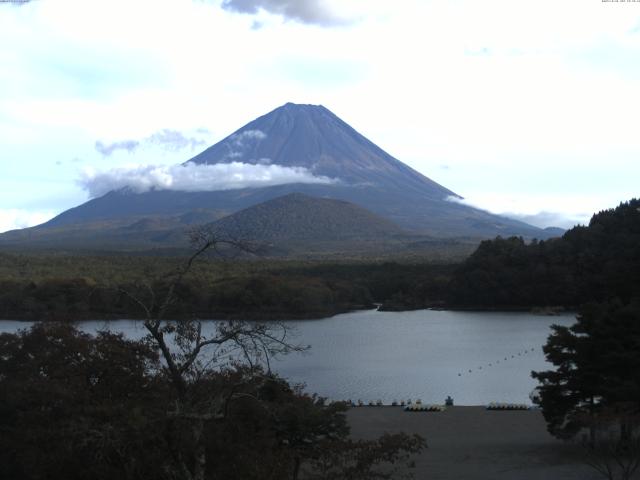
(597, 362)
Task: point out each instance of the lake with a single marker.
(476, 357)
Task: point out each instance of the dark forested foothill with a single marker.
(594, 262)
(257, 296)
(91, 287)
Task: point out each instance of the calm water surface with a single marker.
(476, 357)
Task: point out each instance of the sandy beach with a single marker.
(475, 443)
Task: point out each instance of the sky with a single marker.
(524, 108)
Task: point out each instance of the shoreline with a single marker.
(310, 316)
(471, 442)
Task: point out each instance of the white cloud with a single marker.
(306, 11)
(239, 138)
(167, 139)
(550, 219)
(194, 178)
(472, 85)
(174, 140)
(542, 210)
(15, 2)
(239, 143)
(12, 219)
(107, 149)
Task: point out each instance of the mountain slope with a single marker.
(311, 136)
(300, 217)
(294, 225)
(305, 136)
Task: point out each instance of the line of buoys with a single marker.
(379, 403)
(507, 406)
(418, 406)
(519, 354)
(424, 408)
(360, 403)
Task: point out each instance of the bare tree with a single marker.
(189, 353)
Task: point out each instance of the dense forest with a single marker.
(588, 263)
(595, 262)
(76, 406)
(62, 287)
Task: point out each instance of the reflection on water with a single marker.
(476, 357)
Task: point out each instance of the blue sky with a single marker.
(524, 108)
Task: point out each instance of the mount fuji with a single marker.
(330, 159)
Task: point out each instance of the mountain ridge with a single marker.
(313, 137)
(302, 136)
(297, 216)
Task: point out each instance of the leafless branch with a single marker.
(185, 367)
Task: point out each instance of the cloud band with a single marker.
(191, 177)
(304, 11)
(171, 140)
